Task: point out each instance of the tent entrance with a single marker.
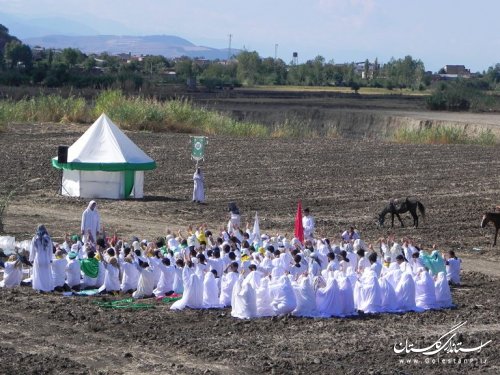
(128, 183)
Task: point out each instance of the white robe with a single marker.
(308, 225)
(178, 284)
(210, 292)
(193, 291)
(264, 307)
(367, 294)
(90, 221)
(453, 270)
(283, 297)
(443, 293)
(328, 299)
(389, 300)
(146, 283)
(346, 295)
(41, 256)
(166, 282)
(199, 187)
(12, 275)
(59, 271)
(73, 273)
(305, 297)
(130, 277)
(405, 293)
(227, 285)
(244, 300)
(425, 291)
(111, 279)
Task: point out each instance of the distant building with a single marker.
(454, 72)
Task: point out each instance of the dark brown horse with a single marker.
(494, 217)
(400, 206)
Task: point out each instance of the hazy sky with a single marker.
(438, 32)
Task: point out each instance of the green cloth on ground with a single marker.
(127, 303)
(90, 267)
(170, 299)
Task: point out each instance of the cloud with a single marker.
(348, 12)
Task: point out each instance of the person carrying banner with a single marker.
(199, 186)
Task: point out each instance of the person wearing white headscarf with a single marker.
(283, 297)
(264, 307)
(367, 293)
(199, 186)
(210, 292)
(13, 273)
(41, 256)
(443, 293)
(389, 301)
(91, 221)
(346, 294)
(165, 284)
(328, 299)
(229, 278)
(73, 275)
(405, 293)
(244, 300)
(425, 290)
(193, 290)
(305, 297)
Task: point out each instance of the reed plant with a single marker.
(443, 135)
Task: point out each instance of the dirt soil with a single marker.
(344, 182)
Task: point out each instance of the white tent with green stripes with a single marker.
(104, 163)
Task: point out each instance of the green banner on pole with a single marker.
(198, 148)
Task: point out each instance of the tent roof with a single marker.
(105, 147)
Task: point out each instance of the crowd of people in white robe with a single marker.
(257, 276)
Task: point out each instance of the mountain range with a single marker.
(59, 33)
(166, 45)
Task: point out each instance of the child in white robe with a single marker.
(283, 297)
(13, 273)
(193, 290)
(228, 280)
(146, 283)
(130, 275)
(73, 271)
(58, 268)
(453, 268)
(165, 285)
(425, 291)
(443, 293)
(112, 276)
(210, 291)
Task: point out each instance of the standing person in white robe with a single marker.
(40, 257)
(91, 221)
(13, 273)
(199, 186)
(308, 225)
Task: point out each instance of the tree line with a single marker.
(22, 65)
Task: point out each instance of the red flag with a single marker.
(299, 229)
